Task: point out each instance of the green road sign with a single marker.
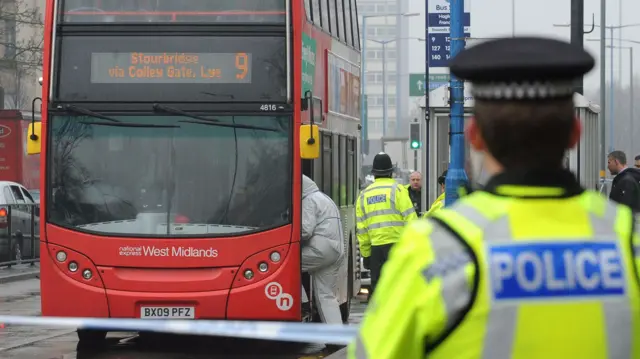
(417, 82)
(308, 63)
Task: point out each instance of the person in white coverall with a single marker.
(322, 248)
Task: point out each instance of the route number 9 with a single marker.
(242, 64)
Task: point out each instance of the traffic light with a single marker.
(414, 136)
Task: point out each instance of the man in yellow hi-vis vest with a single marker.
(439, 202)
(531, 266)
(382, 210)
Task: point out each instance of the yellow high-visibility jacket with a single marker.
(382, 210)
(511, 272)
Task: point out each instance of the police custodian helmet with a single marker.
(522, 68)
(382, 164)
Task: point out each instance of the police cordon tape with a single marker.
(276, 331)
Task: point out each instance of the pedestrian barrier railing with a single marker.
(19, 234)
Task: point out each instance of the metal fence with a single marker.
(19, 234)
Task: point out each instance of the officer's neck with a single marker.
(383, 178)
(491, 166)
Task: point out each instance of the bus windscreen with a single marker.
(190, 11)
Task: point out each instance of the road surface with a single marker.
(23, 298)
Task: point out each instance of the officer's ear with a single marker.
(473, 135)
(576, 132)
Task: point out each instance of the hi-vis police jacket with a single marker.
(515, 271)
(382, 210)
(437, 204)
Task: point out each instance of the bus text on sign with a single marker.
(143, 67)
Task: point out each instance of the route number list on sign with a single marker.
(171, 68)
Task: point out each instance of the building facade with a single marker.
(21, 40)
(386, 34)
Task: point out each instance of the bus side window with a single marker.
(307, 9)
(318, 173)
(343, 170)
(355, 25)
(326, 163)
(335, 169)
(351, 180)
(324, 12)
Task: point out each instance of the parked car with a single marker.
(35, 193)
(17, 205)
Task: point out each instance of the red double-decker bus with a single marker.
(173, 141)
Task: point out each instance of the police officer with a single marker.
(439, 202)
(530, 266)
(382, 210)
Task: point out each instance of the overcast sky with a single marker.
(536, 17)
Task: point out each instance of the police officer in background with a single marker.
(439, 202)
(382, 210)
(532, 265)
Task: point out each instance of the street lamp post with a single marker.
(385, 98)
(631, 90)
(603, 104)
(631, 105)
(611, 95)
(363, 79)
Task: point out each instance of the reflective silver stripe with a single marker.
(361, 231)
(380, 212)
(501, 324)
(408, 212)
(471, 213)
(361, 350)
(450, 260)
(392, 200)
(617, 312)
(386, 224)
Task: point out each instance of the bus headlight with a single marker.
(275, 257)
(73, 266)
(263, 267)
(61, 256)
(86, 274)
(248, 274)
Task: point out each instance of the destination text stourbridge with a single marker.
(168, 67)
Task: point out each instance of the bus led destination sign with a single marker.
(170, 68)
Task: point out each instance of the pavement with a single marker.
(22, 297)
(19, 272)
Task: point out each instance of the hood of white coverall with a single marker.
(320, 216)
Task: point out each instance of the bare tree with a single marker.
(21, 45)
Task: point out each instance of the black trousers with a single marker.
(379, 255)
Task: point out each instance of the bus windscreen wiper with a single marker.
(84, 111)
(207, 121)
(176, 111)
(127, 124)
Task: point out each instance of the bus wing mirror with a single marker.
(309, 142)
(34, 134)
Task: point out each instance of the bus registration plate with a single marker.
(167, 312)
